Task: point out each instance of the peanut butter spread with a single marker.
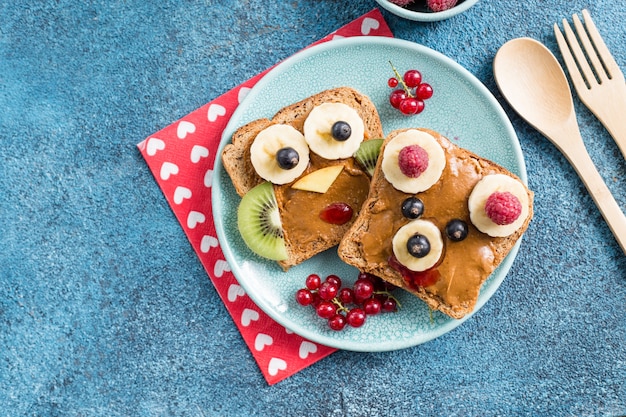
(300, 209)
(463, 265)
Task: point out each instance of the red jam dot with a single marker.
(415, 279)
(336, 213)
(413, 160)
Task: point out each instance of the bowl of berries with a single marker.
(426, 10)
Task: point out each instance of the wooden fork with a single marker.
(602, 89)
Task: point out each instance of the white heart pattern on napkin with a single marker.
(184, 128)
(207, 243)
(168, 169)
(181, 193)
(220, 267)
(194, 218)
(154, 145)
(235, 291)
(306, 348)
(368, 25)
(248, 316)
(215, 111)
(208, 178)
(262, 340)
(198, 152)
(276, 365)
(243, 92)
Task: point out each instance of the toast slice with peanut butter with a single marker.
(437, 227)
(256, 156)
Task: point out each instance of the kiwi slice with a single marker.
(367, 154)
(259, 223)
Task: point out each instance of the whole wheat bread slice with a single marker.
(465, 265)
(237, 163)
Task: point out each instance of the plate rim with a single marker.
(234, 123)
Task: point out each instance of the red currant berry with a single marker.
(412, 78)
(396, 97)
(334, 279)
(337, 322)
(363, 289)
(367, 275)
(355, 317)
(390, 305)
(313, 281)
(392, 82)
(326, 309)
(328, 291)
(372, 306)
(411, 105)
(304, 297)
(424, 91)
(346, 295)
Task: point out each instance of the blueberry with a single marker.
(456, 230)
(418, 246)
(341, 131)
(287, 158)
(412, 208)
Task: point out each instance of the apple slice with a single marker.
(319, 181)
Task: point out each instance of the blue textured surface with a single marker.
(105, 308)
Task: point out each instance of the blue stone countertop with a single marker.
(105, 309)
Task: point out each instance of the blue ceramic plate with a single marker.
(462, 109)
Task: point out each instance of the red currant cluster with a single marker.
(410, 98)
(368, 296)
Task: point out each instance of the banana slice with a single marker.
(478, 198)
(279, 154)
(425, 241)
(334, 130)
(435, 165)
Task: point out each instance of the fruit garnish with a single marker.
(259, 223)
(440, 5)
(414, 171)
(287, 158)
(503, 208)
(326, 133)
(418, 245)
(336, 213)
(456, 230)
(367, 154)
(341, 131)
(413, 160)
(319, 181)
(412, 208)
(341, 306)
(498, 205)
(410, 98)
(279, 154)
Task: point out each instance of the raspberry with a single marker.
(441, 5)
(503, 208)
(413, 160)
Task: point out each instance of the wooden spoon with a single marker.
(534, 84)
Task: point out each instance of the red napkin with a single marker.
(181, 157)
